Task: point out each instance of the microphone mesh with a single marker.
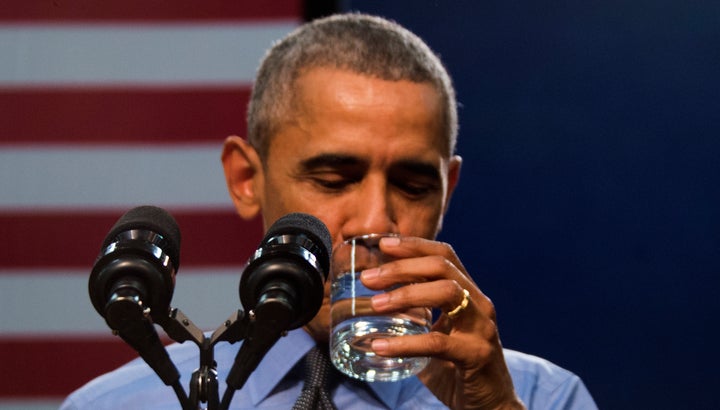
(154, 219)
(297, 222)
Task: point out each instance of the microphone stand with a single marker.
(129, 319)
(259, 335)
(203, 383)
(261, 329)
(288, 266)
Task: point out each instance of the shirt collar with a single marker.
(277, 363)
(387, 392)
(286, 353)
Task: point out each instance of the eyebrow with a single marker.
(330, 161)
(417, 167)
(404, 166)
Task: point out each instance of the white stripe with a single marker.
(56, 302)
(112, 177)
(133, 53)
(29, 404)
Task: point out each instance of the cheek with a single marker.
(423, 221)
(283, 197)
(330, 214)
(290, 195)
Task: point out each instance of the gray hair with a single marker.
(363, 44)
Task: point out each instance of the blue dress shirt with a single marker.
(277, 382)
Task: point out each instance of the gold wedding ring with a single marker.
(466, 299)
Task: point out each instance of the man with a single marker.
(353, 119)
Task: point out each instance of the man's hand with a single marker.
(467, 368)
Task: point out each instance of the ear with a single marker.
(453, 178)
(244, 176)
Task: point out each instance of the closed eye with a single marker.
(416, 189)
(332, 181)
(415, 179)
(333, 172)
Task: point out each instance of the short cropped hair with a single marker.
(359, 43)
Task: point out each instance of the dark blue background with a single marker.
(588, 204)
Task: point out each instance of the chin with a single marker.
(319, 326)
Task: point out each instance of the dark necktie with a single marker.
(318, 374)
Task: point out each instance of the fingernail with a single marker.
(380, 300)
(390, 241)
(371, 273)
(379, 345)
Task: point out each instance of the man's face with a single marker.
(363, 155)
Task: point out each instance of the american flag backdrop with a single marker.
(106, 105)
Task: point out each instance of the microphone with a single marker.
(132, 282)
(136, 267)
(284, 279)
(282, 287)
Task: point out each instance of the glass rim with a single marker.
(371, 238)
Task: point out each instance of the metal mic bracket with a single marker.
(204, 383)
(204, 387)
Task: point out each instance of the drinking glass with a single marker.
(354, 324)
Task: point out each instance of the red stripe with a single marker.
(56, 367)
(73, 239)
(115, 115)
(141, 10)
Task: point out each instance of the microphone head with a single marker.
(284, 280)
(300, 223)
(140, 255)
(154, 219)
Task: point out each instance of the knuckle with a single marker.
(447, 250)
(451, 292)
(490, 330)
(487, 307)
(436, 342)
(390, 271)
(401, 293)
(484, 352)
(440, 263)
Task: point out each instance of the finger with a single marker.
(443, 325)
(409, 247)
(413, 270)
(464, 350)
(443, 294)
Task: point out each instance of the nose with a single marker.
(371, 210)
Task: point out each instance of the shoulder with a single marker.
(133, 385)
(542, 384)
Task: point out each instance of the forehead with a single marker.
(340, 108)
